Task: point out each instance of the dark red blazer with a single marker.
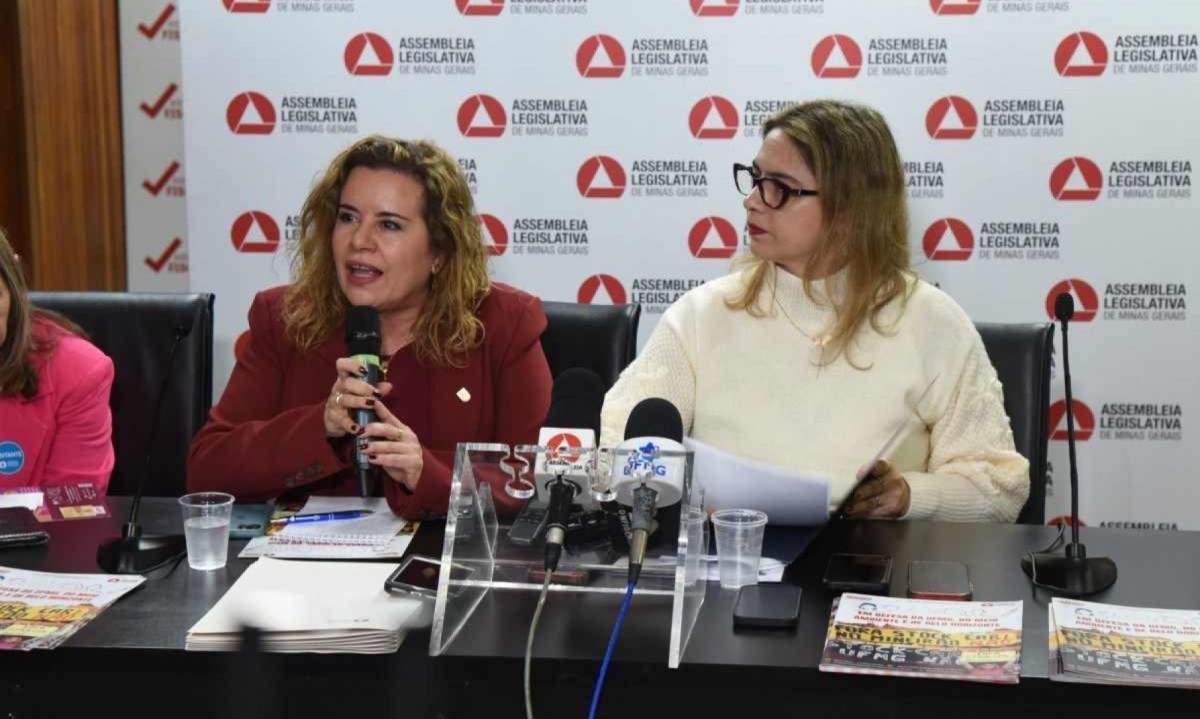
(266, 436)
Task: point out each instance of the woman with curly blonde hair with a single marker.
(391, 225)
(823, 342)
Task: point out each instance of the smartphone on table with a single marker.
(418, 576)
(939, 580)
(863, 573)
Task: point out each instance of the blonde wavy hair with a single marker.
(853, 155)
(314, 305)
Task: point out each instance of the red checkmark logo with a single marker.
(161, 262)
(160, 103)
(156, 187)
(151, 31)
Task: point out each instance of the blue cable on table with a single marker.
(612, 644)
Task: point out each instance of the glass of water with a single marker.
(206, 518)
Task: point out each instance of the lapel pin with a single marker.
(463, 395)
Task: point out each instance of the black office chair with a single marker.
(602, 338)
(137, 330)
(1021, 355)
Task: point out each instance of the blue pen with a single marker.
(323, 517)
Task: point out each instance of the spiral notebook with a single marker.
(379, 534)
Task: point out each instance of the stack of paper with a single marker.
(322, 607)
(971, 641)
(1108, 644)
(380, 534)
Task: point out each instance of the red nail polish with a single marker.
(370, 403)
(371, 457)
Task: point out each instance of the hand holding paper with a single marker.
(882, 492)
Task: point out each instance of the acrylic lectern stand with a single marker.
(485, 563)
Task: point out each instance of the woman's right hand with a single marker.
(350, 392)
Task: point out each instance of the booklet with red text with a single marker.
(1110, 644)
(970, 641)
(40, 610)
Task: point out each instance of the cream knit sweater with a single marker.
(752, 386)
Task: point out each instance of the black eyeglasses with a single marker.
(773, 192)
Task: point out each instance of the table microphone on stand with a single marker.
(134, 552)
(1075, 574)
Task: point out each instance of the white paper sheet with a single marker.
(730, 482)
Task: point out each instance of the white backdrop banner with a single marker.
(156, 252)
(1049, 146)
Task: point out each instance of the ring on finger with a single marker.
(337, 399)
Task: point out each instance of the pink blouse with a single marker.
(62, 435)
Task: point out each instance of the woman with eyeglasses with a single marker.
(823, 342)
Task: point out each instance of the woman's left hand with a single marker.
(390, 444)
(885, 495)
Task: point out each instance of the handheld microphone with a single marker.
(1075, 574)
(563, 473)
(133, 553)
(363, 343)
(645, 481)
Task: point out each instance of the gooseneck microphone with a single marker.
(572, 424)
(648, 481)
(1064, 310)
(133, 552)
(1075, 574)
(364, 344)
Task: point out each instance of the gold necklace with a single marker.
(383, 361)
(820, 340)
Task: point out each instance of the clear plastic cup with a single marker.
(739, 545)
(206, 517)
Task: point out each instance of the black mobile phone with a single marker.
(939, 580)
(418, 576)
(767, 606)
(19, 527)
(865, 573)
(528, 525)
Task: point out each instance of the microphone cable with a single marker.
(1032, 556)
(537, 615)
(612, 644)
